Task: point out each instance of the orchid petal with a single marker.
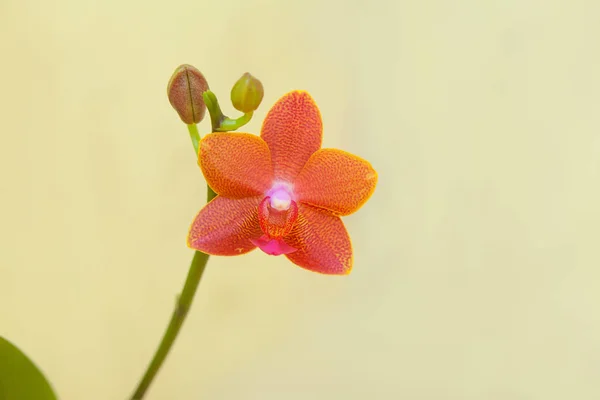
(293, 129)
(322, 241)
(335, 180)
(235, 165)
(225, 227)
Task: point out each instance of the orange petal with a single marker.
(225, 227)
(293, 130)
(236, 165)
(322, 242)
(336, 180)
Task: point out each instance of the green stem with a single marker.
(229, 124)
(195, 136)
(214, 109)
(219, 121)
(181, 310)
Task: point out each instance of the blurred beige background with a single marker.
(477, 261)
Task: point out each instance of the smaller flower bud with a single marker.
(185, 90)
(247, 93)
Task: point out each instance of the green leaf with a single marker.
(20, 379)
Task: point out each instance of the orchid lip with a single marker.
(273, 247)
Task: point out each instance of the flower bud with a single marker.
(247, 93)
(185, 93)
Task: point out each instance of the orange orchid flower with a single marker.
(281, 192)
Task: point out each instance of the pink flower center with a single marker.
(281, 196)
(277, 214)
(273, 247)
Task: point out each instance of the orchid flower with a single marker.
(281, 192)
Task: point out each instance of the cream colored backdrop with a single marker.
(477, 262)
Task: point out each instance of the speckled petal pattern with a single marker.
(236, 165)
(225, 227)
(322, 242)
(336, 180)
(293, 129)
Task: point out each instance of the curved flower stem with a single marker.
(184, 301)
(183, 306)
(221, 122)
(214, 109)
(229, 124)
